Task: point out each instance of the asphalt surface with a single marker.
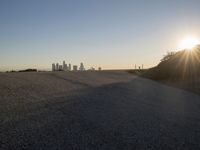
(108, 111)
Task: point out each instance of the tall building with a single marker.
(64, 65)
(75, 68)
(65, 68)
(69, 68)
(81, 68)
(60, 68)
(53, 67)
(57, 66)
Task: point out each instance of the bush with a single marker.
(182, 65)
(28, 70)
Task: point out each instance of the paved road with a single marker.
(132, 114)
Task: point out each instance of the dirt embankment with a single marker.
(178, 69)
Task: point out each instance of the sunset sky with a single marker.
(113, 34)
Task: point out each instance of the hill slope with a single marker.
(183, 65)
(180, 69)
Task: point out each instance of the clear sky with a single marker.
(107, 33)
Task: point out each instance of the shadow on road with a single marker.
(139, 114)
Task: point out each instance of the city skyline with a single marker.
(67, 67)
(112, 34)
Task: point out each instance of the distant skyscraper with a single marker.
(81, 68)
(65, 68)
(69, 68)
(60, 68)
(57, 66)
(64, 65)
(75, 68)
(53, 67)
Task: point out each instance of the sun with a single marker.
(189, 43)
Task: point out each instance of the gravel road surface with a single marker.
(100, 110)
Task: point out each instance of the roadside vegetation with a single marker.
(180, 69)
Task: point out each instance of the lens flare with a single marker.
(189, 43)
